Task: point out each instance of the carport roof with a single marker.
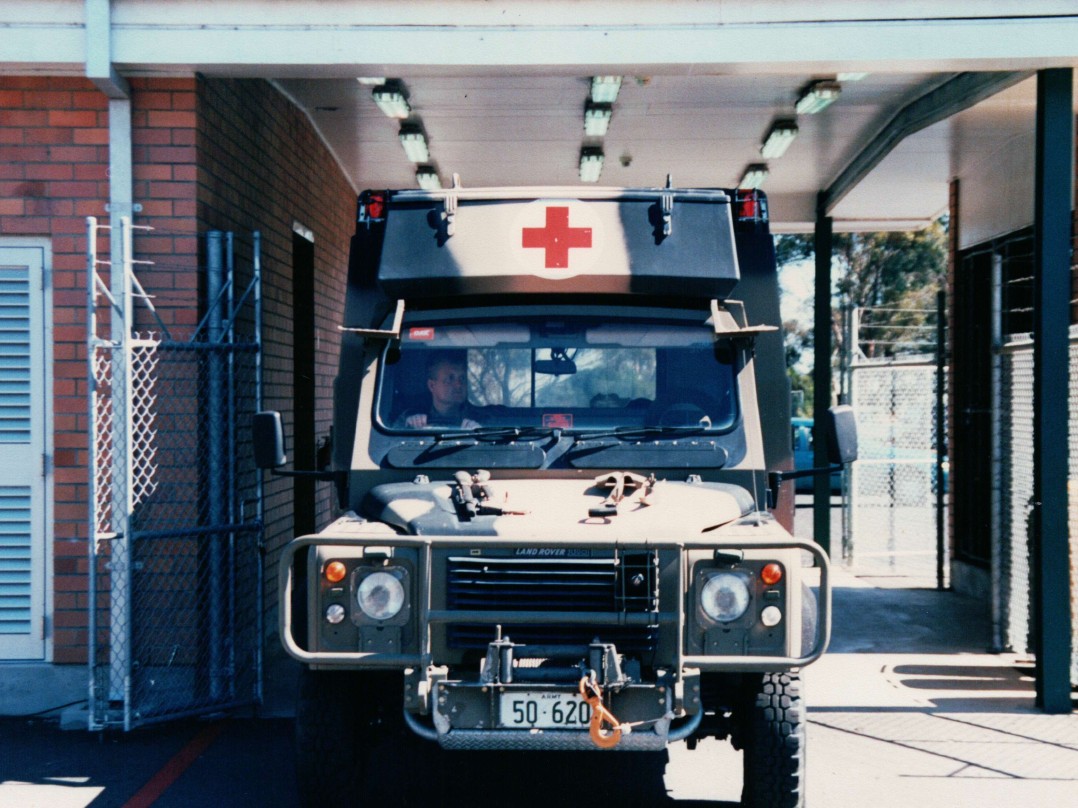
(500, 88)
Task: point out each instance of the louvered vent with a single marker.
(14, 354)
(14, 560)
(622, 584)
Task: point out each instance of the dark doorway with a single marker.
(303, 380)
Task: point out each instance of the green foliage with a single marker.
(893, 276)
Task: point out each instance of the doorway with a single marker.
(24, 474)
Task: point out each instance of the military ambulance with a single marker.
(561, 425)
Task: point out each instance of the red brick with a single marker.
(73, 189)
(48, 135)
(91, 171)
(24, 226)
(184, 101)
(91, 136)
(73, 154)
(170, 154)
(147, 100)
(23, 117)
(11, 207)
(92, 99)
(153, 171)
(11, 99)
(72, 117)
(47, 99)
(49, 171)
(140, 136)
(168, 119)
(11, 137)
(172, 190)
(27, 154)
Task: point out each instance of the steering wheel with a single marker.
(682, 406)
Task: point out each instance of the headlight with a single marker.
(725, 597)
(380, 596)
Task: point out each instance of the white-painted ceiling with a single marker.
(703, 130)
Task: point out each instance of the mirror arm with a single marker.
(774, 478)
(325, 476)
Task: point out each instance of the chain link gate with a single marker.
(894, 522)
(175, 567)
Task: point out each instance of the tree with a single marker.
(892, 277)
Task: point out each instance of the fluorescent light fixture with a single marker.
(850, 76)
(591, 164)
(415, 144)
(597, 119)
(604, 89)
(817, 96)
(778, 139)
(754, 176)
(427, 178)
(390, 99)
(371, 81)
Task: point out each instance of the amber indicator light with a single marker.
(771, 574)
(335, 572)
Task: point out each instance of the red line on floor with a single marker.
(177, 765)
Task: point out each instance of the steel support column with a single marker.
(1051, 318)
(821, 374)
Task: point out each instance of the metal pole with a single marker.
(230, 459)
(256, 261)
(941, 443)
(1053, 205)
(91, 376)
(215, 463)
(999, 641)
(821, 511)
(120, 641)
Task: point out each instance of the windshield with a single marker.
(575, 374)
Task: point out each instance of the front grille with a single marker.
(623, 583)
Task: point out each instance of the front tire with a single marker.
(774, 743)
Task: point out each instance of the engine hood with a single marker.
(561, 509)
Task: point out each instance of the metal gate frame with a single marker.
(175, 511)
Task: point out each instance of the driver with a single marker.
(447, 381)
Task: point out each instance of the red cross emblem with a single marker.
(557, 237)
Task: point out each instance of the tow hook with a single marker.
(592, 693)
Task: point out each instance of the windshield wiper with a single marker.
(644, 431)
(497, 433)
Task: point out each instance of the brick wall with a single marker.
(53, 173)
(232, 155)
(261, 165)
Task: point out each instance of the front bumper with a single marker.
(432, 616)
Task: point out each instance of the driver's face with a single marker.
(447, 386)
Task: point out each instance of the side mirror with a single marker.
(268, 436)
(841, 435)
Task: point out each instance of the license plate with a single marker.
(543, 710)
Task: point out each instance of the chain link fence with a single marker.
(893, 484)
(175, 534)
(892, 363)
(1014, 482)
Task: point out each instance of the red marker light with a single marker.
(771, 574)
(376, 206)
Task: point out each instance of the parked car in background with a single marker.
(802, 445)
